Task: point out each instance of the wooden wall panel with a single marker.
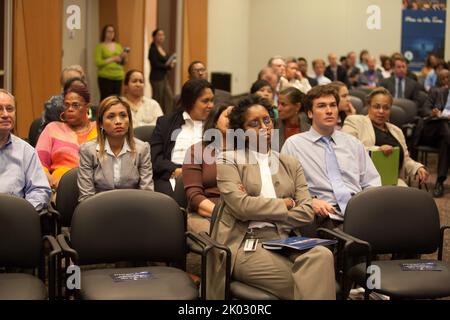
(195, 33)
(37, 44)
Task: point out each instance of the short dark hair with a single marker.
(258, 84)
(104, 32)
(191, 65)
(377, 91)
(129, 74)
(81, 90)
(294, 95)
(155, 32)
(318, 92)
(191, 91)
(213, 117)
(71, 82)
(237, 115)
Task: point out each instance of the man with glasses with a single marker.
(21, 173)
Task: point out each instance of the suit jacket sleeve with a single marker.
(145, 169)
(86, 169)
(351, 126)
(410, 166)
(429, 104)
(243, 206)
(303, 212)
(162, 168)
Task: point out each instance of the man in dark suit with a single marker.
(436, 130)
(401, 86)
(335, 72)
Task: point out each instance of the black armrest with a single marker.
(441, 243)
(55, 250)
(66, 249)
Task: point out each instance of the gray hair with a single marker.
(9, 94)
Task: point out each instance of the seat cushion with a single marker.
(399, 284)
(162, 283)
(241, 291)
(21, 286)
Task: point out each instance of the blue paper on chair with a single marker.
(135, 276)
(421, 266)
(298, 243)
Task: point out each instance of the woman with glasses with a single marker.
(265, 197)
(59, 144)
(116, 160)
(375, 130)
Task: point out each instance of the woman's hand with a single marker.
(423, 175)
(322, 208)
(242, 188)
(386, 149)
(289, 202)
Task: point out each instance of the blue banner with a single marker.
(423, 31)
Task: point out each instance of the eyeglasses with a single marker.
(8, 108)
(75, 105)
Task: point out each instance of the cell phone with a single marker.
(126, 49)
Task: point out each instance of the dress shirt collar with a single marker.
(8, 142)
(125, 148)
(314, 136)
(186, 116)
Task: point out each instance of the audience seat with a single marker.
(144, 133)
(394, 220)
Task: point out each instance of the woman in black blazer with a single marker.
(161, 64)
(176, 132)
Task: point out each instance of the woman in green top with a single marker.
(110, 58)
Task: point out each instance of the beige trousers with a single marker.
(300, 276)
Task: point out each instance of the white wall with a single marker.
(244, 34)
(228, 40)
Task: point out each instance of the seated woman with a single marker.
(263, 89)
(291, 117)
(116, 160)
(375, 130)
(265, 197)
(345, 106)
(145, 111)
(59, 144)
(199, 170)
(176, 132)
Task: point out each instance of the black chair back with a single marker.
(358, 93)
(409, 106)
(398, 116)
(357, 103)
(67, 196)
(128, 225)
(144, 133)
(34, 132)
(20, 233)
(394, 220)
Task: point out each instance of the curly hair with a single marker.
(237, 115)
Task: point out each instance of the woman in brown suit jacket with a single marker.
(265, 196)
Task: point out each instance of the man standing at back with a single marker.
(21, 173)
(336, 164)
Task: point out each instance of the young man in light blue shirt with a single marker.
(21, 172)
(336, 164)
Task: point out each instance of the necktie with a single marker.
(340, 191)
(400, 88)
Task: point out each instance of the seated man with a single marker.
(436, 130)
(21, 173)
(336, 164)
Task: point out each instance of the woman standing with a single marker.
(161, 64)
(145, 111)
(110, 58)
(116, 160)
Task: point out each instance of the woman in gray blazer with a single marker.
(116, 160)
